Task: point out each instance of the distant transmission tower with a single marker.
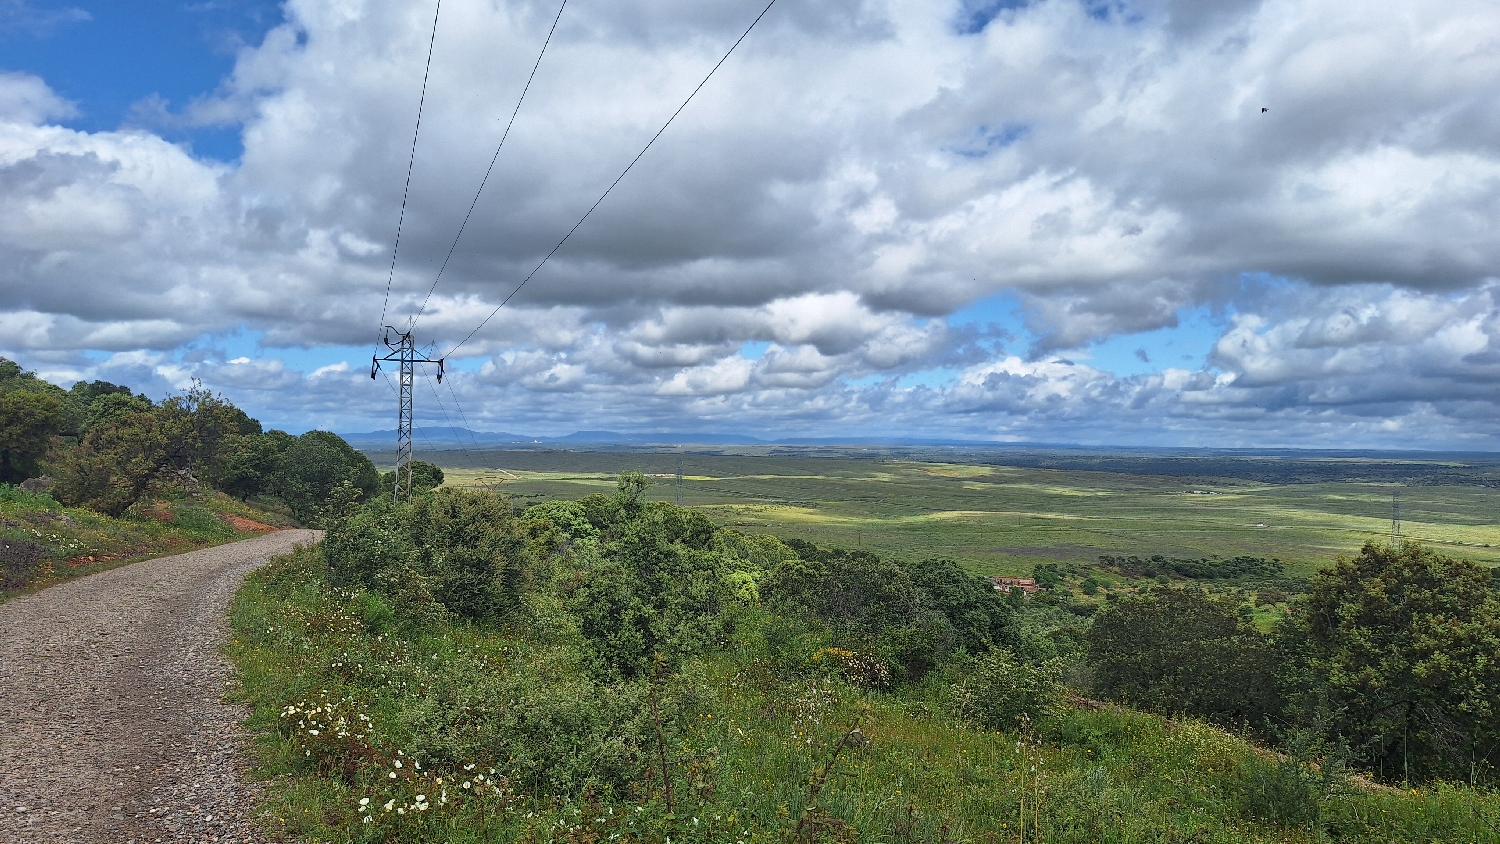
(1396, 519)
(679, 482)
(403, 352)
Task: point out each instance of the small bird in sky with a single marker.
(1264, 110)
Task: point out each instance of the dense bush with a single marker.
(914, 616)
(463, 548)
(1184, 651)
(657, 592)
(998, 691)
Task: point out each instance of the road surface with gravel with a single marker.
(112, 723)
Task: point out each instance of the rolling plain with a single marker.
(1003, 519)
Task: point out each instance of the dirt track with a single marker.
(112, 727)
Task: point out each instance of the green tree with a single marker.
(28, 423)
(110, 468)
(199, 429)
(246, 465)
(424, 476)
(111, 406)
(979, 615)
(99, 401)
(1047, 575)
(313, 465)
(1404, 644)
(1183, 651)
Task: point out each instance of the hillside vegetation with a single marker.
(612, 668)
(97, 475)
(43, 542)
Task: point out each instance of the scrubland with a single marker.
(612, 668)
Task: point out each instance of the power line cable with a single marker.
(448, 419)
(462, 416)
(411, 326)
(627, 169)
(410, 162)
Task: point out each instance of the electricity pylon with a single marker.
(1396, 519)
(403, 352)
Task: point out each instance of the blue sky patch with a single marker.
(111, 58)
(975, 15)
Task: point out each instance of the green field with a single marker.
(1000, 519)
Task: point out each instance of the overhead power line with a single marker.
(617, 180)
(462, 415)
(449, 420)
(482, 182)
(410, 162)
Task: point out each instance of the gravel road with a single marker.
(112, 727)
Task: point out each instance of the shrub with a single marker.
(364, 545)
(658, 591)
(867, 604)
(460, 548)
(999, 689)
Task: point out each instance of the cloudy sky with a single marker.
(1175, 222)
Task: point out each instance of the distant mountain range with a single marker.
(454, 437)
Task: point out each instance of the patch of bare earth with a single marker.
(112, 721)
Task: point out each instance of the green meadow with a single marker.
(999, 519)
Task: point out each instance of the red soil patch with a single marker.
(244, 525)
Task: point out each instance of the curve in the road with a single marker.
(112, 722)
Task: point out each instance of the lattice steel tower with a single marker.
(1396, 519)
(403, 352)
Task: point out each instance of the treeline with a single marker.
(101, 445)
(1239, 567)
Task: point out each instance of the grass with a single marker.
(74, 542)
(748, 743)
(1006, 519)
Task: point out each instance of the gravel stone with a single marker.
(113, 726)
